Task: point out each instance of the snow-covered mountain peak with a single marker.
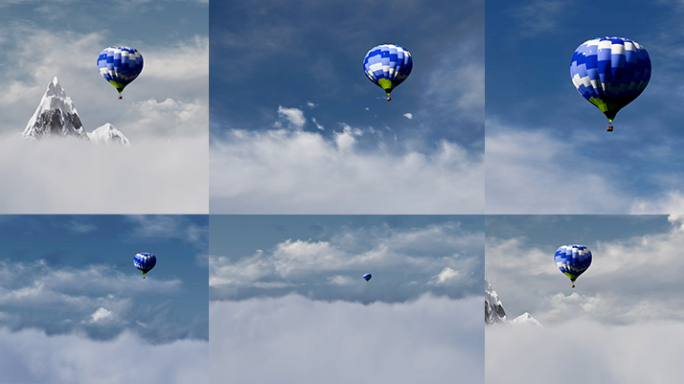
(495, 314)
(526, 319)
(108, 134)
(55, 116)
(494, 311)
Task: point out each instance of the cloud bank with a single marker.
(283, 171)
(297, 340)
(30, 356)
(583, 351)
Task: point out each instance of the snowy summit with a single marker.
(108, 134)
(494, 311)
(495, 314)
(55, 116)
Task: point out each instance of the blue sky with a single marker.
(627, 305)
(289, 97)
(547, 147)
(289, 304)
(164, 112)
(68, 288)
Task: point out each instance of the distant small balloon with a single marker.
(573, 260)
(387, 66)
(367, 276)
(120, 66)
(144, 262)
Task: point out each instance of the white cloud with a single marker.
(294, 261)
(534, 173)
(281, 171)
(317, 125)
(456, 84)
(408, 116)
(297, 340)
(294, 116)
(27, 285)
(101, 314)
(629, 281)
(341, 280)
(634, 354)
(311, 105)
(169, 227)
(29, 356)
(70, 176)
(447, 275)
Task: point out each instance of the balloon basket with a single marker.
(610, 128)
(120, 97)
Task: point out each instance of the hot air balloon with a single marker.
(367, 276)
(573, 260)
(610, 72)
(387, 66)
(144, 262)
(120, 66)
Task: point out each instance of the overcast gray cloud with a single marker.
(74, 358)
(297, 340)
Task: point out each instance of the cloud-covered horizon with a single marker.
(31, 356)
(597, 353)
(73, 176)
(294, 339)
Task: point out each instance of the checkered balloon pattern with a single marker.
(120, 65)
(387, 66)
(610, 72)
(573, 260)
(144, 262)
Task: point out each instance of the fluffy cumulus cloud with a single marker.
(60, 176)
(96, 299)
(351, 250)
(453, 261)
(297, 340)
(293, 116)
(281, 171)
(30, 356)
(630, 281)
(584, 351)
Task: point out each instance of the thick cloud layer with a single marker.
(281, 171)
(297, 340)
(583, 351)
(70, 176)
(29, 356)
